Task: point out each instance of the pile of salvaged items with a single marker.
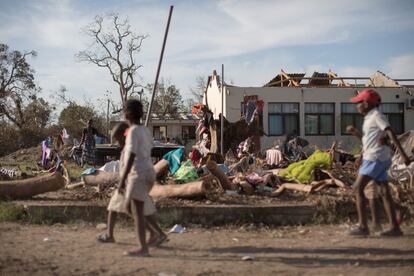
(210, 175)
(213, 175)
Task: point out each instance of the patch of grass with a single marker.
(74, 170)
(11, 212)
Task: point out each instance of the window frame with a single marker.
(159, 127)
(188, 126)
(283, 115)
(396, 113)
(354, 116)
(319, 119)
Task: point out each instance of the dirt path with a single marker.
(314, 250)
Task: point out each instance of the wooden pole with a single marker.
(107, 121)
(147, 119)
(222, 112)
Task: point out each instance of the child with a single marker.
(376, 160)
(138, 175)
(370, 190)
(156, 234)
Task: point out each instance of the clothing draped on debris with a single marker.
(273, 157)
(174, 159)
(303, 170)
(186, 173)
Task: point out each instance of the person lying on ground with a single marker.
(157, 236)
(376, 161)
(137, 174)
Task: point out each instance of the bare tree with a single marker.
(198, 89)
(114, 49)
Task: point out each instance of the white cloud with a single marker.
(401, 67)
(203, 35)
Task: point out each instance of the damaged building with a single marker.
(315, 107)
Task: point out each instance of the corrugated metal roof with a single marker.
(319, 82)
(275, 82)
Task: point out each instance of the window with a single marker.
(283, 118)
(393, 111)
(319, 118)
(395, 115)
(350, 117)
(188, 132)
(159, 132)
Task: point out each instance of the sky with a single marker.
(254, 39)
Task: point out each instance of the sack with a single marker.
(118, 203)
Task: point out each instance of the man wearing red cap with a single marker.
(376, 160)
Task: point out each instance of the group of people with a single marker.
(137, 175)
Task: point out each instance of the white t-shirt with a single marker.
(139, 142)
(373, 130)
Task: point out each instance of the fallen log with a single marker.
(215, 170)
(20, 189)
(246, 188)
(208, 186)
(104, 180)
(336, 181)
(161, 168)
(291, 186)
(75, 186)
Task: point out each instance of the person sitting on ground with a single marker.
(157, 236)
(376, 160)
(137, 174)
(289, 137)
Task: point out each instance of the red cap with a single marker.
(368, 95)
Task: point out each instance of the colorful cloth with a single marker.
(45, 154)
(303, 171)
(273, 157)
(174, 159)
(196, 157)
(186, 173)
(88, 171)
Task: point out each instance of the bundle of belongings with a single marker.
(303, 171)
(252, 107)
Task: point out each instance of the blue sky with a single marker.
(254, 39)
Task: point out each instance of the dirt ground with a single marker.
(311, 250)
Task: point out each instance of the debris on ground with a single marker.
(287, 173)
(178, 229)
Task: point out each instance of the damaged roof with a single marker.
(276, 81)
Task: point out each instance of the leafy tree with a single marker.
(168, 99)
(17, 87)
(74, 118)
(8, 138)
(114, 48)
(19, 104)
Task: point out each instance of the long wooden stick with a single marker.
(159, 67)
